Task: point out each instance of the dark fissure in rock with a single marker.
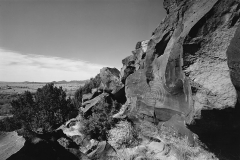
(234, 20)
(129, 70)
(219, 130)
(159, 50)
(120, 96)
(160, 47)
(189, 54)
(149, 59)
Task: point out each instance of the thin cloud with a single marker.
(20, 67)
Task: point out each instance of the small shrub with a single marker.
(100, 121)
(9, 124)
(45, 110)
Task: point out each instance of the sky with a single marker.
(53, 40)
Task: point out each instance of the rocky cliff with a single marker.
(182, 69)
(189, 65)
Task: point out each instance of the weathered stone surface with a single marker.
(233, 55)
(91, 148)
(54, 145)
(103, 151)
(148, 150)
(176, 124)
(183, 68)
(111, 80)
(10, 143)
(73, 127)
(205, 58)
(91, 103)
(89, 96)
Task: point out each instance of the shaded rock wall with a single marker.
(233, 56)
(219, 130)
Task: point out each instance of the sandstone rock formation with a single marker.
(89, 104)
(90, 96)
(10, 144)
(111, 80)
(233, 58)
(183, 68)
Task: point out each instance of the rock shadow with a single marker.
(219, 130)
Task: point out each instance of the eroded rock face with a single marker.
(111, 80)
(89, 96)
(86, 106)
(233, 54)
(177, 126)
(183, 68)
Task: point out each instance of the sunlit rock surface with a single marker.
(111, 80)
(233, 55)
(91, 103)
(10, 143)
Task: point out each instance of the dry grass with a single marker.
(147, 129)
(142, 153)
(122, 136)
(182, 147)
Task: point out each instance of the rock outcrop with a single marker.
(111, 80)
(10, 144)
(233, 56)
(182, 69)
(86, 106)
(187, 66)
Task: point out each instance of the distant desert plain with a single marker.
(10, 90)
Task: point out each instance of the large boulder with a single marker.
(111, 80)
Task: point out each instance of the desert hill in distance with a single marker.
(20, 87)
(10, 90)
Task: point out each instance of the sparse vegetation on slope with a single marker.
(182, 147)
(5, 103)
(87, 88)
(100, 121)
(123, 135)
(43, 111)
